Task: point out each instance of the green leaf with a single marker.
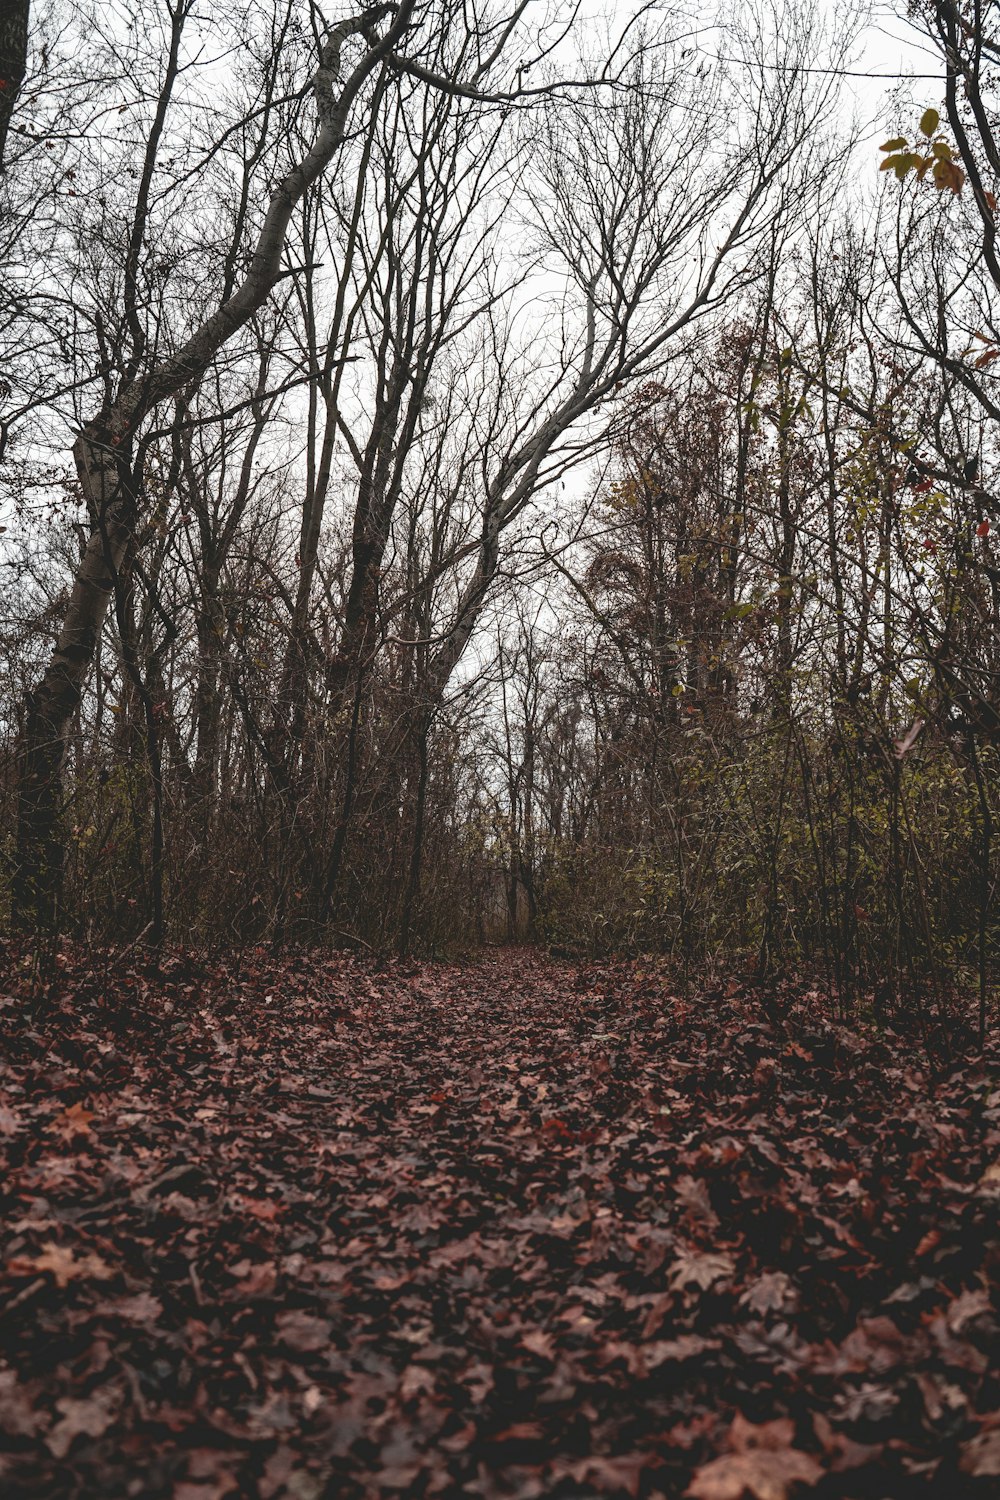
(896, 144)
(929, 121)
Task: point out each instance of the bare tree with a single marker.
(104, 450)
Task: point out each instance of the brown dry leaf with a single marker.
(389, 1281)
(906, 742)
(258, 1208)
(771, 1292)
(693, 1193)
(966, 1308)
(64, 1265)
(540, 1343)
(612, 1475)
(260, 1281)
(399, 1476)
(142, 1308)
(416, 1380)
(763, 1473)
(775, 1435)
(686, 1346)
(981, 1455)
(213, 1489)
(18, 1416)
(702, 1270)
(73, 1122)
(88, 1418)
(521, 1432)
(302, 1331)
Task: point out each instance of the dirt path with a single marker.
(514, 1228)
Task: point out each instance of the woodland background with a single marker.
(522, 476)
(476, 482)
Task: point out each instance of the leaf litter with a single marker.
(313, 1227)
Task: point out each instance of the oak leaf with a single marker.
(88, 1418)
(64, 1265)
(685, 1346)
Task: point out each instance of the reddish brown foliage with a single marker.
(510, 1229)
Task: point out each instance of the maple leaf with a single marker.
(764, 1464)
(73, 1122)
(765, 1475)
(771, 1292)
(64, 1265)
(701, 1269)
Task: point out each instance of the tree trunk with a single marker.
(52, 704)
(13, 61)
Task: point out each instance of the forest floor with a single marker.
(511, 1228)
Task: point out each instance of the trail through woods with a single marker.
(510, 1228)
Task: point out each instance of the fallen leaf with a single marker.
(701, 1269)
(981, 1455)
(63, 1264)
(764, 1475)
(19, 1416)
(686, 1346)
(772, 1292)
(303, 1331)
(87, 1418)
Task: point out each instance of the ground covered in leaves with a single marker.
(509, 1228)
